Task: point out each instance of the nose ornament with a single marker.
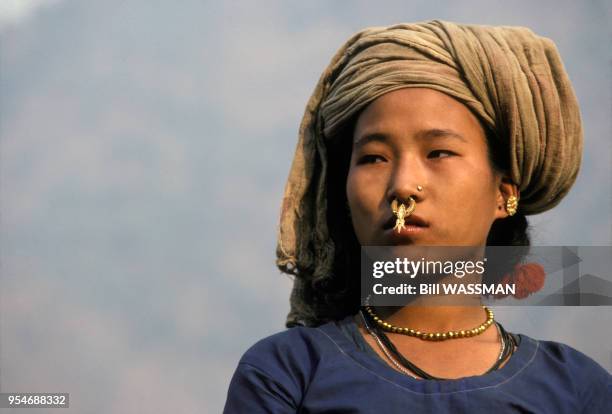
(402, 211)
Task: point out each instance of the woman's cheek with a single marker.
(363, 184)
(362, 194)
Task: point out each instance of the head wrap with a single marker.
(511, 78)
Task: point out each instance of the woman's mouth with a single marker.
(413, 226)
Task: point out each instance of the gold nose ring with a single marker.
(402, 211)
(419, 188)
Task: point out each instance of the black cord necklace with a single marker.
(508, 344)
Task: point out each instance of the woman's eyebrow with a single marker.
(367, 138)
(439, 132)
(422, 134)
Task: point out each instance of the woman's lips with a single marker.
(413, 226)
(412, 220)
(408, 232)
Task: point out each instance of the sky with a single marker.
(144, 148)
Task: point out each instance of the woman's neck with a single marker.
(420, 316)
(438, 313)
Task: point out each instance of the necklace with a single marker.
(433, 336)
(407, 367)
(388, 355)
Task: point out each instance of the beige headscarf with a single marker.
(513, 79)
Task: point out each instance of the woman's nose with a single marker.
(408, 180)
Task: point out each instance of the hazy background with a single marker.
(144, 147)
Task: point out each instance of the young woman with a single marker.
(469, 127)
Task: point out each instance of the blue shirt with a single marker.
(331, 368)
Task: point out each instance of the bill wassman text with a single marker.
(446, 289)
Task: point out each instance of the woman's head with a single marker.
(502, 89)
(419, 136)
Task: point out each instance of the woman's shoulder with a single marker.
(275, 370)
(295, 347)
(559, 363)
(568, 356)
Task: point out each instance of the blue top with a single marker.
(331, 368)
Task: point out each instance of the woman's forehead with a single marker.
(419, 112)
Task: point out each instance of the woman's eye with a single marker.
(440, 154)
(370, 159)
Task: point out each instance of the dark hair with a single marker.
(337, 295)
(510, 231)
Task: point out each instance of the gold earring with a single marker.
(511, 205)
(401, 212)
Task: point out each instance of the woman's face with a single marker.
(421, 137)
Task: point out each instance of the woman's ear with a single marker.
(506, 189)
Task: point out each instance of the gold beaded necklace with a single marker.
(433, 336)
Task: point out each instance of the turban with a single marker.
(512, 79)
